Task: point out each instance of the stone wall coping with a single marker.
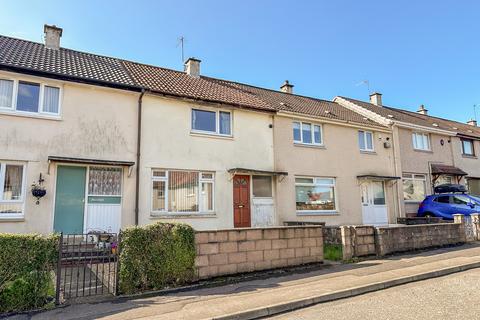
(261, 228)
(417, 226)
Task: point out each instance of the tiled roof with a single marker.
(415, 118)
(34, 56)
(300, 104)
(21, 55)
(178, 83)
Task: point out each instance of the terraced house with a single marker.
(115, 143)
(429, 151)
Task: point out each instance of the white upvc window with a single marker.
(12, 189)
(421, 141)
(29, 97)
(365, 140)
(182, 191)
(315, 194)
(307, 133)
(210, 121)
(414, 187)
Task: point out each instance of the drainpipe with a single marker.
(139, 141)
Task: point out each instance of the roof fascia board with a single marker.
(294, 115)
(423, 128)
(364, 112)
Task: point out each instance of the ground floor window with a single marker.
(414, 187)
(12, 193)
(473, 186)
(182, 191)
(315, 194)
(443, 179)
(262, 186)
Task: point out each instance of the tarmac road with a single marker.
(455, 296)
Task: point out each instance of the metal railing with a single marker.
(87, 265)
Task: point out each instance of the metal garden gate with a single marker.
(87, 266)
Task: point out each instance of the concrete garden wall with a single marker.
(233, 251)
(407, 238)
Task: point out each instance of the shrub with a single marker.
(27, 262)
(156, 256)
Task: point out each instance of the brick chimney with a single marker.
(52, 36)
(192, 67)
(422, 110)
(472, 122)
(376, 99)
(287, 87)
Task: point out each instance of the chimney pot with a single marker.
(287, 87)
(192, 67)
(422, 110)
(52, 36)
(376, 99)
(472, 122)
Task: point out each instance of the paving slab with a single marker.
(259, 298)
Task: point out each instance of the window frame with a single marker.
(199, 189)
(3, 165)
(314, 178)
(217, 122)
(414, 141)
(42, 84)
(471, 141)
(366, 149)
(414, 178)
(312, 133)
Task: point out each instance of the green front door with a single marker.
(70, 199)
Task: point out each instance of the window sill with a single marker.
(424, 151)
(15, 113)
(182, 215)
(306, 145)
(368, 152)
(318, 213)
(468, 156)
(210, 135)
(12, 219)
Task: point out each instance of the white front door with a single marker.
(104, 199)
(263, 207)
(374, 207)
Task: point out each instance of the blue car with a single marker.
(445, 205)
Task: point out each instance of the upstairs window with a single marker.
(212, 122)
(365, 140)
(421, 141)
(467, 147)
(6, 94)
(307, 133)
(29, 97)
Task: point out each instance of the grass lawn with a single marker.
(332, 252)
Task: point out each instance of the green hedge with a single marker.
(27, 262)
(156, 256)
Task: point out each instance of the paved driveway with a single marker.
(455, 296)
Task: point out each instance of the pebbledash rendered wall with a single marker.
(231, 251)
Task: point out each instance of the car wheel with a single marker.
(429, 215)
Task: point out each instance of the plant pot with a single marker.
(39, 193)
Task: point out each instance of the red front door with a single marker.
(241, 201)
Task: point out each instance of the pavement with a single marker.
(454, 296)
(261, 298)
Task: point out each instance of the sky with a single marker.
(413, 52)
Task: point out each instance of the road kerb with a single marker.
(341, 294)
